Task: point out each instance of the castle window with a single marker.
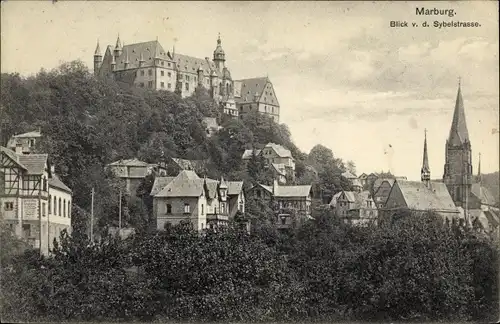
(169, 74)
(150, 72)
(187, 77)
(162, 84)
(169, 86)
(187, 86)
(150, 84)
(142, 72)
(162, 72)
(162, 64)
(168, 64)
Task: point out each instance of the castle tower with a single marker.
(219, 56)
(458, 164)
(425, 172)
(200, 75)
(118, 48)
(97, 59)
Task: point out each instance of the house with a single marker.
(355, 182)
(205, 203)
(211, 126)
(34, 202)
(257, 94)
(24, 143)
(422, 197)
(357, 208)
(131, 171)
(290, 203)
(362, 178)
(381, 188)
(275, 154)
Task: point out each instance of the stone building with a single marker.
(257, 94)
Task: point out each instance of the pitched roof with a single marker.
(483, 194)
(280, 150)
(348, 175)
(248, 154)
(55, 182)
(186, 184)
(458, 131)
(148, 50)
(234, 187)
(425, 161)
(356, 183)
(28, 135)
(34, 163)
(129, 162)
(335, 197)
(159, 184)
(492, 217)
(250, 87)
(357, 198)
(417, 196)
(12, 155)
(190, 64)
(292, 191)
(280, 168)
(377, 183)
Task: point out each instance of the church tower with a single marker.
(458, 161)
(425, 172)
(219, 56)
(97, 59)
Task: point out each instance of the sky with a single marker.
(344, 78)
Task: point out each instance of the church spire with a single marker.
(97, 50)
(479, 176)
(458, 131)
(425, 172)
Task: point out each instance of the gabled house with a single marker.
(34, 202)
(131, 171)
(276, 157)
(382, 188)
(205, 203)
(24, 143)
(257, 94)
(353, 207)
(290, 203)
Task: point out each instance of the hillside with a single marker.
(88, 123)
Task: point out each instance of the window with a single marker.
(169, 86)
(64, 208)
(150, 72)
(169, 74)
(43, 210)
(169, 209)
(9, 206)
(142, 72)
(162, 64)
(32, 142)
(141, 84)
(168, 64)
(162, 84)
(187, 77)
(55, 206)
(283, 221)
(202, 209)
(44, 184)
(222, 208)
(150, 84)
(59, 208)
(162, 72)
(258, 193)
(50, 204)
(69, 209)
(187, 86)
(187, 208)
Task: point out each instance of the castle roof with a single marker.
(458, 131)
(249, 87)
(146, 51)
(191, 64)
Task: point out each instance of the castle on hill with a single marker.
(149, 65)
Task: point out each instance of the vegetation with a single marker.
(416, 268)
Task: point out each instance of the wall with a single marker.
(177, 215)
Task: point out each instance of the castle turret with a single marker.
(118, 48)
(425, 172)
(97, 58)
(126, 61)
(458, 167)
(200, 75)
(219, 56)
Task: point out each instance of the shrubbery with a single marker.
(413, 269)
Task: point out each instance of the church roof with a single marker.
(458, 131)
(483, 194)
(418, 197)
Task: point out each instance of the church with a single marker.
(458, 195)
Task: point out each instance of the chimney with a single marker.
(275, 187)
(19, 149)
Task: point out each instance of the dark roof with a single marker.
(159, 184)
(34, 163)
(191, 64)
(55, 182)
(133, 52)
(12, 155)
(418, 197)
(458, 131)
(234, 187)
(249, 87)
